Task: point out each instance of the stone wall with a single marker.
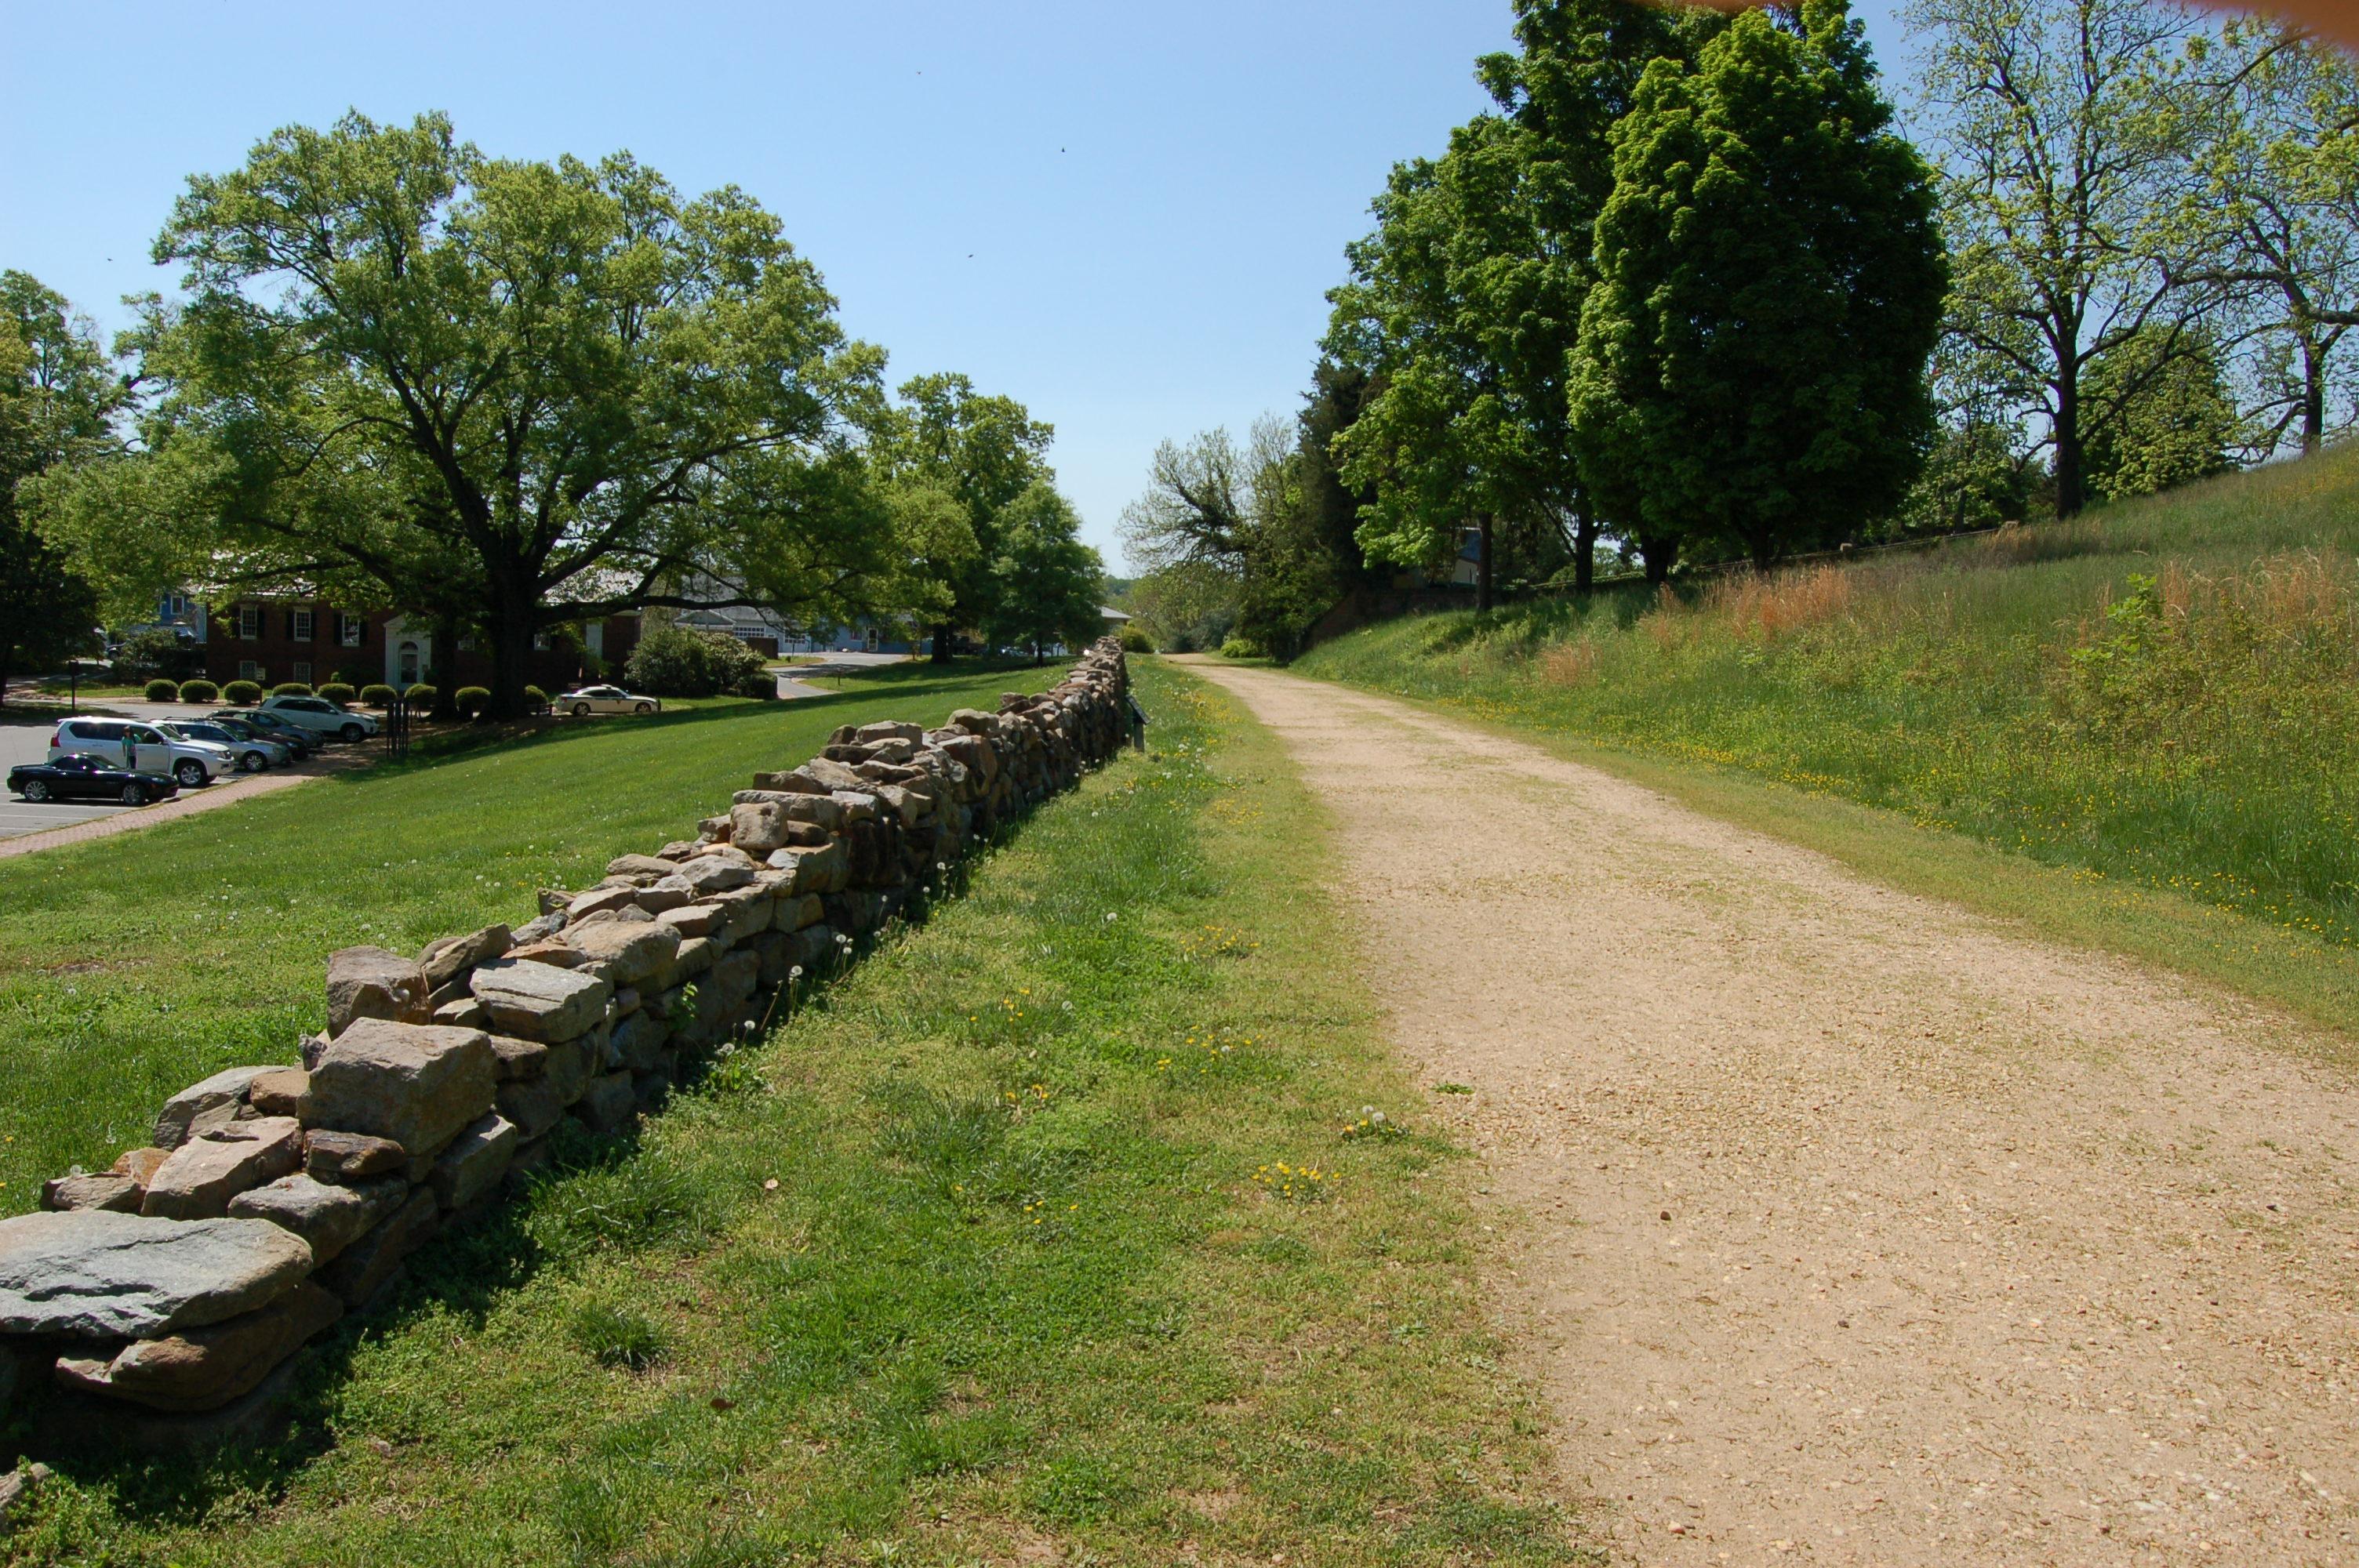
(272, 1200)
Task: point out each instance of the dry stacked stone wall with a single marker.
(270, 1201)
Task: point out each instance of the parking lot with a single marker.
(22, 740)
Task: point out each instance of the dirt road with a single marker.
(1854, 1228)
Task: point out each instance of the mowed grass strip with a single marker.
(2157, 706)
(1039, 1237)
(133, 966)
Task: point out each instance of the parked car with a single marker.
(87, 778)
(321, 717)
(253, 753)
(294, 737)
(589, 699)
(150, 750)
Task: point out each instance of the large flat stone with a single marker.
(475, 1163)
(206, 1172)
(110, 1190)
(329, 1217)
(713, 872)
(535, 1106)
(226, 1088)
(331, 1156)
(366, 1266)
(541, 1001)
(415, 1084)
(96, 1274)
(627, 952)
(204, 1369)
(446, 960)
(518, 1059)
(371, 982)
(821, 871)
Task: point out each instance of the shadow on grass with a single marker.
(597, 1195)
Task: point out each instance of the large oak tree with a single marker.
(507, 395)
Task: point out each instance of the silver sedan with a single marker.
(590, 700)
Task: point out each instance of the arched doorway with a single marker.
(408, 660)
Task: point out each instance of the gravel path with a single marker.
(1853, 1228)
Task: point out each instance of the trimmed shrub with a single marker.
(761, 683)
(338, 691)
(421, 697)
(471, 700)
(1134, 640)
(535, 699)
(675, 661)
(199, 691)
(241, 694)
(291, 689)
(162, 690)
(378, 695)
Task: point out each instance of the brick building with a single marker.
(276, 640)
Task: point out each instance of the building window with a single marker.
(303, 671)
(350, 631)
(248, 670)
(249, 621)
(540, 641)
(300, 628)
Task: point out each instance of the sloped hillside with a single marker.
(2164, 692)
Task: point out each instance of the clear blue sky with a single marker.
(1124, 215)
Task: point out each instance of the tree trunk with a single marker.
(2313, 396)
(941, 655)
(511, 639)
(1584, 548)
(1657, 554)
(1483, 563)
(2069, 499)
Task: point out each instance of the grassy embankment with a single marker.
(1045, 1274)
(2139, 731)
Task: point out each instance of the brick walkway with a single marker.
(237, 787)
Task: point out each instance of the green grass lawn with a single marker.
(135, 965)
(1038, 1239)
(2162, 697)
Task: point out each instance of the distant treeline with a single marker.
(1687, 293)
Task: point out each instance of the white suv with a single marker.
(142, 748)
(323, 717)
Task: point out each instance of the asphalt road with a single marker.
(22, 741)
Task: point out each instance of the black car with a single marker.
(87, 778)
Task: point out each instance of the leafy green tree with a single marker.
(1572, 77)
(1454, 430)
(2177, 421)
(503, 395)
(57, 398)
(1047, 591)
(1185, 607)
(2053, 188)
(1751, 368)
(955, 459)
(2261, 125)
(1972, 478)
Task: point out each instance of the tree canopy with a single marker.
(57, 398)
(1751, 368)
(504, 393)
